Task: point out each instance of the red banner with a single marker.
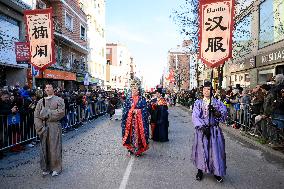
(22, 51)
(39, 28)
(215, 31)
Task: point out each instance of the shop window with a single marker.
(247, 78)
(68, 22)
(271, 15)
(265, 76)
(280, 69)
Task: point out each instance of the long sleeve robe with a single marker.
(50, 132)
(135, 127)
(209, 155)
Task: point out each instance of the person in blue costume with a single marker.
(159, 115)
(135, 124)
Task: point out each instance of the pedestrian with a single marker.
(113, 102)
(161, 122)
(135, 126)
(48, 113)
(208, 151)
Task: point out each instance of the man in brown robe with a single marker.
(48, 112)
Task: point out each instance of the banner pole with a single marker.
(211, 95)
(42, 74)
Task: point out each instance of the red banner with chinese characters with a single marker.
(39, 28)
(215, 31)
(22, 51)
(170, 77)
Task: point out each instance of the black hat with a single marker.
(159, 89)
(207, 84)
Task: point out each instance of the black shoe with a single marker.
(199, 175)
(219, 179)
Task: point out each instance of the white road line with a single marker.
(126, 174)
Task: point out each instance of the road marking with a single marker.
(126, 174)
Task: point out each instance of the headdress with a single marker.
(135, 83)
(159, 89)
(207, 84)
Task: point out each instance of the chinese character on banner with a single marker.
(22, 51)
(216, 26)
(39, 27)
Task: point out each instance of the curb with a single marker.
(238, 135)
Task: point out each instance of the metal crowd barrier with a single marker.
(19, 128)
(244, 117)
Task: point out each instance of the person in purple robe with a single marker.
(208, 150)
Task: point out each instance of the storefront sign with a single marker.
(55, 74)
(22, 51)
(39, 27)
(270, 57)
(243, 65)
(215, 31)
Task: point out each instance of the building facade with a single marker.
(95, 10)
(12, 29)
(120, 66)
(179, 67)
(258, 44)
(70, 39)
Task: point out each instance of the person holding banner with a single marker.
(135, 126)
(208, 151)
(48, 113)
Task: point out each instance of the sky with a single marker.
(146, 28)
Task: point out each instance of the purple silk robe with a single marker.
(209, 156)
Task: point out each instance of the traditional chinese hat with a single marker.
(135, 83)
(159, 89)
(207, 84)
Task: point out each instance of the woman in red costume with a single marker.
(135, 125)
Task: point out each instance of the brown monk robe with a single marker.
(47, 125)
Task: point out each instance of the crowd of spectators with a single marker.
(17, 105)
(258, 110)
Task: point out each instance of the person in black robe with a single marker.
(159, 117)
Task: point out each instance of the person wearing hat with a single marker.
(208, 151)
(134, 123)
(159, 117)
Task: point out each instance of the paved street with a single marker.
(94, 158)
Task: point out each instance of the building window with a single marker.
(68, 22)
(108, 51)
(271, 22)
(247, 78)
(242, 38)
(71, 62)
(83, 33)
